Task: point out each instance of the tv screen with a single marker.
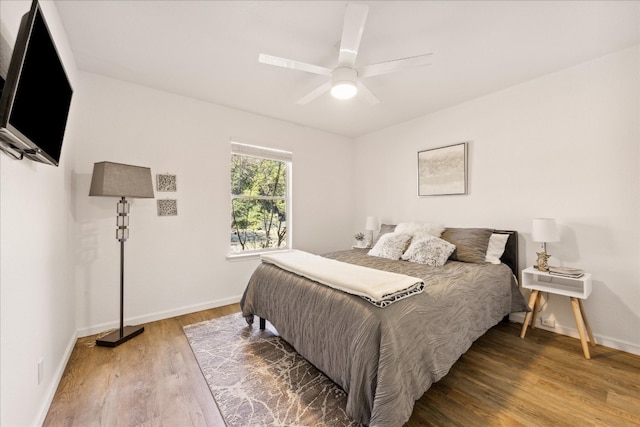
(37, 94)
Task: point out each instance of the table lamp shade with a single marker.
(372, 223)
(544, 230)
(120, 180)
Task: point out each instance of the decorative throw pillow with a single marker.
(419, 227)
(384, 229)
(428, 250)
(391, 246)
(471, 243)
(497, 243)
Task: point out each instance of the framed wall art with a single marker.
(166, 182)
(167, 207)
(443, 171)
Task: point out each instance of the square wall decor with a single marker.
(443, 171)
(167, 207)
(166, 182)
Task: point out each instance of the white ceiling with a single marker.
(209, 50)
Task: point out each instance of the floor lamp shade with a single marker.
(120, 180)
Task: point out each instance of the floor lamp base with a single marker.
(114, 339)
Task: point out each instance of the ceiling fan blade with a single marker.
(293, 65)
(314, 94)
(367, 95)
(394, 65)
(354, 20)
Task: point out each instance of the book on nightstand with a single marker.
(566, 272)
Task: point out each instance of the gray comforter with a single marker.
(384, 358)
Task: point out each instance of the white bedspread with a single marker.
(350, 278)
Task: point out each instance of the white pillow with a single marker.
(429, 250)
(419, 227)
(391, 245)
(497, 243)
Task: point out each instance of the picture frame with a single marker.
(442, 171)
(167, 207)
(166, 182)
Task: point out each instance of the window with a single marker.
(260, 199)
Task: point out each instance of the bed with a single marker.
(386, 358)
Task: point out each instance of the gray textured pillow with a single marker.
(471, 243)
(428, 250)
(384, 229)
(391, 246)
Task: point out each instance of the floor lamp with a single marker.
(119, 180)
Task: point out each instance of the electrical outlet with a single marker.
(40, 370)
(548, 322)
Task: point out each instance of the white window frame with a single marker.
(244, 149)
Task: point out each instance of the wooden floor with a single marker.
(542, 380)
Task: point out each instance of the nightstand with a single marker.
(576, 288)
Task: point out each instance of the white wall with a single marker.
(564, 146)
(37, 298)
(178, 264)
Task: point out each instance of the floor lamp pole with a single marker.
(122, 288)
(124, 333)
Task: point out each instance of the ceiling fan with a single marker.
(346, 80)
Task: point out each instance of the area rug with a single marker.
(258, 379)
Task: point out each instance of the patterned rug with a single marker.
(257, 379)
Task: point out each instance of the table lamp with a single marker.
(371, 226)
(119, 180)
(544, 230)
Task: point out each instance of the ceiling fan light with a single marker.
(343, 83)
(344, 90)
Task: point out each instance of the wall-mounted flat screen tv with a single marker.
(36, 96)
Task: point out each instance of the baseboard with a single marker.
(152, 317)
(572, 332)
(55, 382)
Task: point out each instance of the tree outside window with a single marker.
(258, 203)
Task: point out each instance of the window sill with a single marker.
(252, 255)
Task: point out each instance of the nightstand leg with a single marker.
(586, 324)
(575, 304)
(536, 309)
(533, 298)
